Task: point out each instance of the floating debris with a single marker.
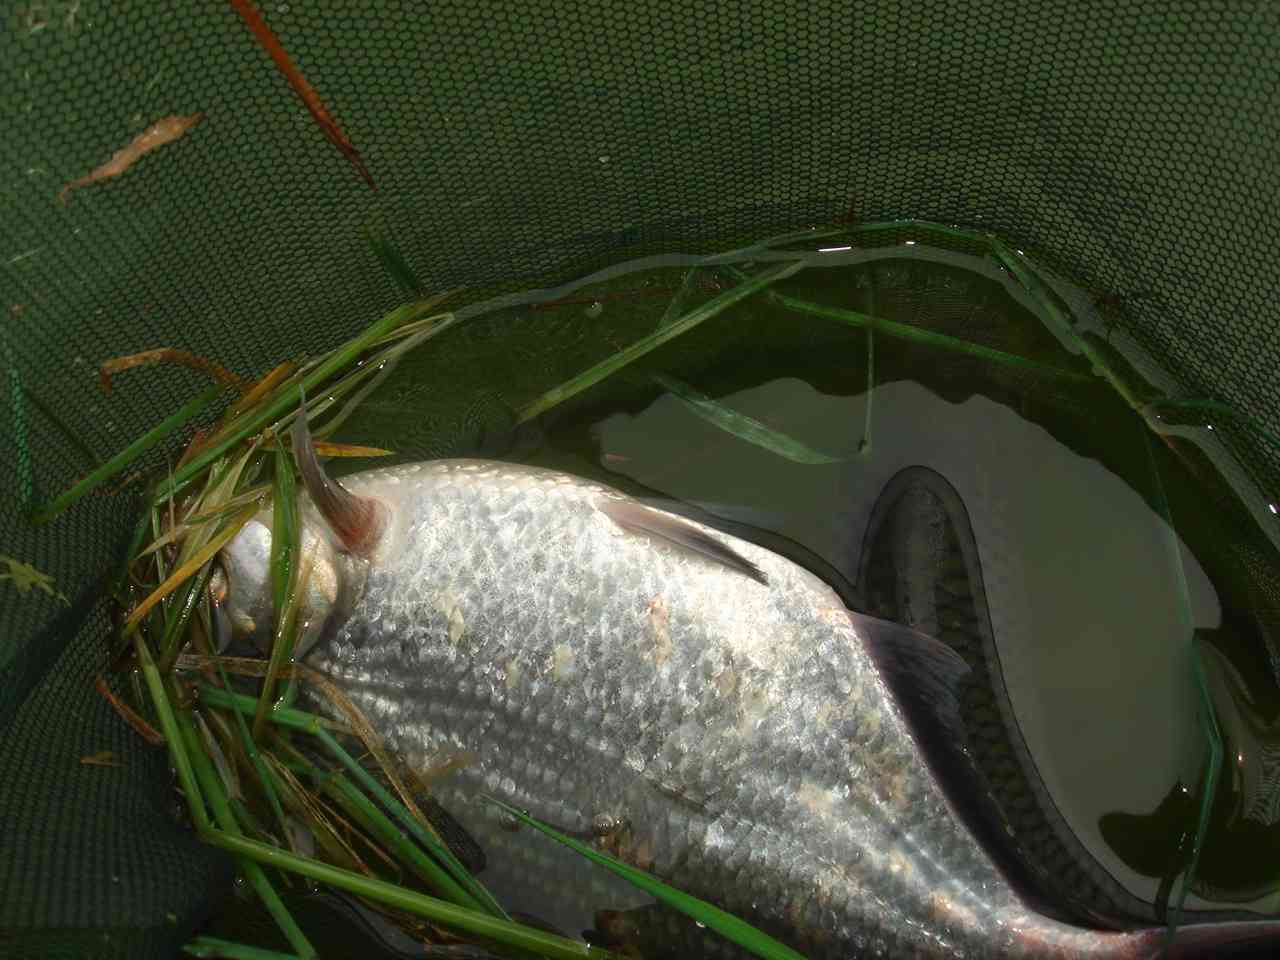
(128, 715)
(103, 758)
(24, 577)
(157, 135)
(275, 49)
(166, 355)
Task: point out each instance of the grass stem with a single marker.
(128, 455)
(229, 826)
(903, 331)
(654, 340)
(438, 911)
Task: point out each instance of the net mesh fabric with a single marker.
(1132, 146)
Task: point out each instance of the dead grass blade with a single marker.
(260, 389)
(307, 806)
(127, 714)
(103, 758)
(275, 49)
(326, 449)
(209, 368)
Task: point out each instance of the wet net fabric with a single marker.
(1132, 147)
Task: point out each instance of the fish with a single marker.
(718, 718)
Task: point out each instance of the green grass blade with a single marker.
(336, 847)
(172, 736)
(439, 850)
(227, 822)
(403, 339)
(1208, 788)
(1207, 715)
(285, 716)
(284, 526)
(317, 726)
(70, 436)
(1022, 270)
(374, 822)
(793, 236)
(725, 924)
(382, 371)
(227, 950)
(656, 339)
(280, 402)
(266, 778)
(904, 331)
(676, 304)
(281, 650)
(938, 229)
(254, 494)
(179, 616)
(742, 426)
(393, 262)
(439, 911)
(128, 455)
(286, 573)
(1215, 406)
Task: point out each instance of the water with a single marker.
(1104, 548)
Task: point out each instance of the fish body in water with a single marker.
(721, 721)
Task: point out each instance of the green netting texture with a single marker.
(1131, 144)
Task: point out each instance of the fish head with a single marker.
(340, 534)
(242, 588)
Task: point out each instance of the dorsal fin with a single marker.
(635, 518)
(357, 522)
(760, 531)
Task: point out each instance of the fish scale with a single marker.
(739, 732)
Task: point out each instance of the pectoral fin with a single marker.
(357, 522)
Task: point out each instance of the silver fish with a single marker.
(704, 708)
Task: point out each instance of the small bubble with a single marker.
(594, 310)
(604, 159)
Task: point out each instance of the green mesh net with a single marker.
(1131, 147)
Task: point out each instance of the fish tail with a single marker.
(1203, 940)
